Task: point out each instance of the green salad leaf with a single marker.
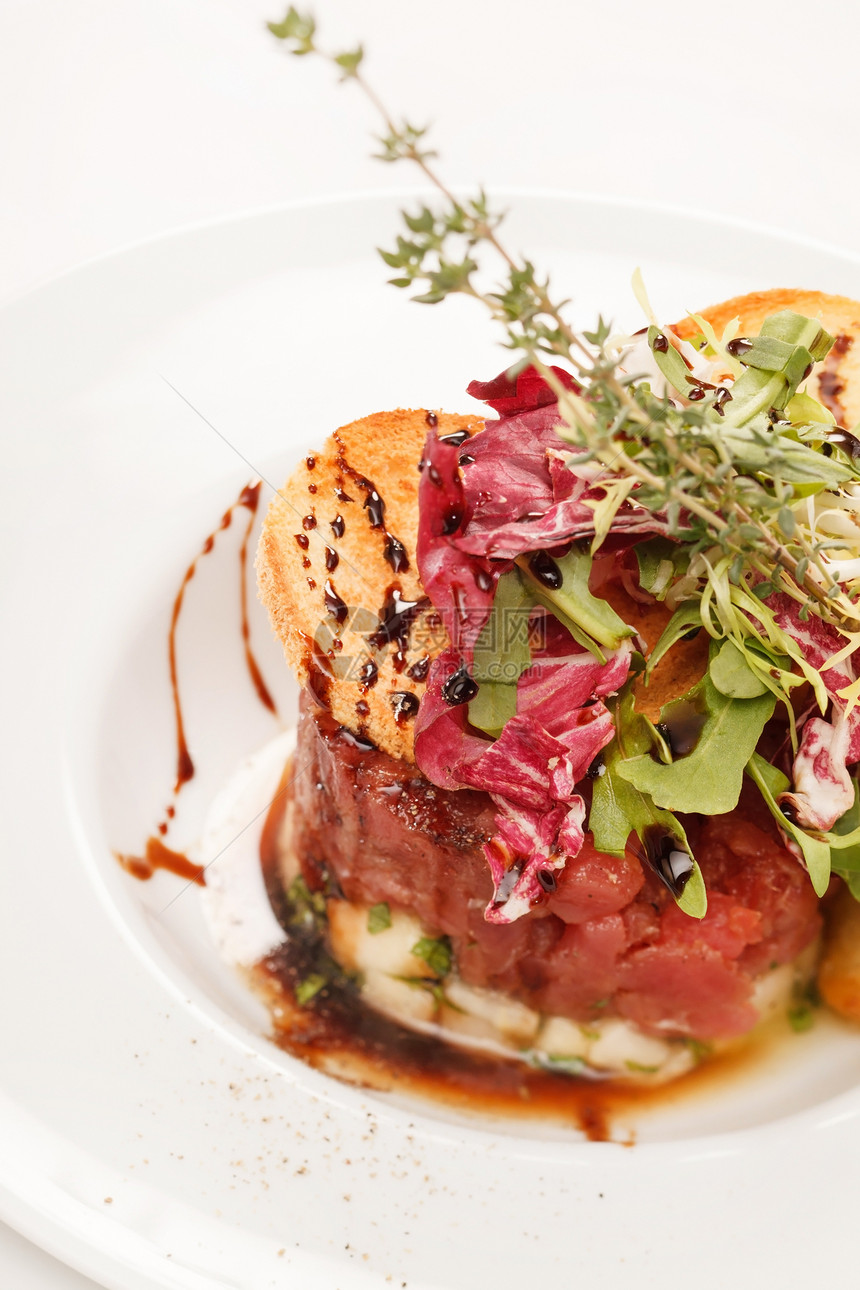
(816, 852)
(732, 675)
(502, 653)
(575, 600)
(708, 779)
(619, 807)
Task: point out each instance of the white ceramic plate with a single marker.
(151, 1134)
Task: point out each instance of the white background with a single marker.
(120, 120)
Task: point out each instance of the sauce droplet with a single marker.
(368, 675)
(338, 526)
(332, 559)
(672, 865)
(459, 688)
(683, 728)
(452, 521)
(333, 603)
(546, 570)
(396, 618)
(405, 705)
(418, 671)
(395, 553)
(375, 507)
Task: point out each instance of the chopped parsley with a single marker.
(307, 989)
(436, 953)
(378, 918)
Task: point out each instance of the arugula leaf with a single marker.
(575, 600)
(378, 918)
(502, 653)
(844, 843)
(816, 852)
(845, 836)
(686, 618)
(669, 361)
(709, 778)
(618, 808)
(502, 650)
(493, 706)
(732, 674)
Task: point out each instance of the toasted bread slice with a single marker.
(329, 567)
(836, 381)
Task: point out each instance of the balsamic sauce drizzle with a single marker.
(157, 855)
(374, 503)
(395, 621)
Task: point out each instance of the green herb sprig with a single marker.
(726, 476)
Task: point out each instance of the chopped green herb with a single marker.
(436, 953)
(378, 918)
(801, 1018)
(555, 1064)
(307, 989)
(307, 908)
(699, 1049)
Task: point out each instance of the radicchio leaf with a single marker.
(515, 492)
(823, 789)
(530, 845)
(507, 394)
(820, 774)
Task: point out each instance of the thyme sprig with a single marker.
(725, 468)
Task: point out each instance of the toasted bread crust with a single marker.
(836, 381)
(382, 450)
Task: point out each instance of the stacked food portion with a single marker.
(573, 768)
